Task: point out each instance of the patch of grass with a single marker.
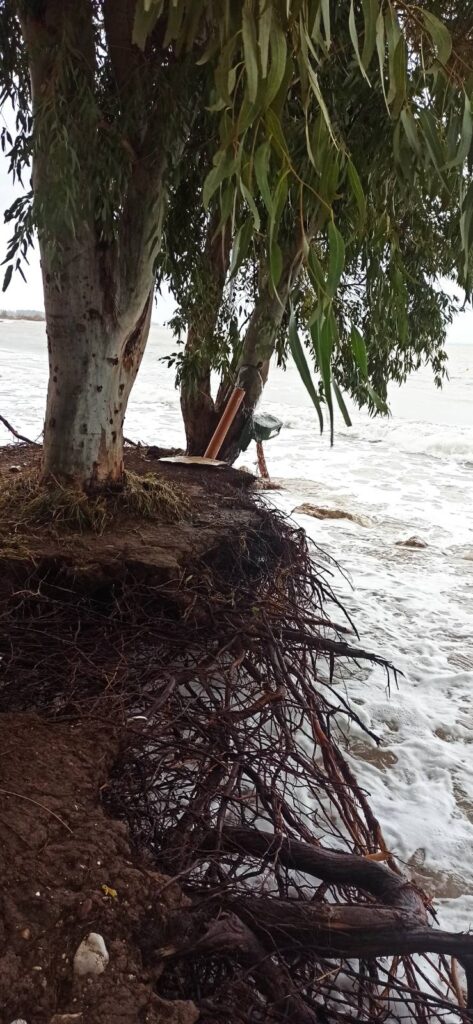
(152, 498)
(25, 503)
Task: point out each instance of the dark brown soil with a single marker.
(187, 678)
(145, 547)
(60, 856)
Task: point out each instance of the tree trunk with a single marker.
(97, 264)
(197, 405)
(94, 356)
(258, 347)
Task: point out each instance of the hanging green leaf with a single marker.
(398, 84)
(7, 277)
(250, 51)
(336, 258)
(241, 245)
(325, 5)
(370, 14)
(317, 275)
(300, 360)
(357, 191)
(224, 168)
(410, 129)
(144, 21)
(261, 165)
(358, 348)
(251, 203)
(381, 48)
(439, 35)
(466, 226)
(465, 137)
(275, 264)
(354, 38)
(379, 402)
(432, 139)
(278, 47)
(274, 127)
(320, 100)
(323, 335)
(264, 34)
(341, 404)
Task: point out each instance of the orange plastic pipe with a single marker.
(224, 423)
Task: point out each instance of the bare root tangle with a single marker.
(230, 685)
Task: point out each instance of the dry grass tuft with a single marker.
(152, 498)
(25, 503)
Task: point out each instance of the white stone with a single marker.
(91, 957)
(19, 1020)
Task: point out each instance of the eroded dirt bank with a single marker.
(66, 869)
(174, 683)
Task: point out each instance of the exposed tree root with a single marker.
(230, 687)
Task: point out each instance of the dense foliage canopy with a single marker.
(327, 145)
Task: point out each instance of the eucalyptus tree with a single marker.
(376, 188)
(107, 94)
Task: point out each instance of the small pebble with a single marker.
(65, 1018)
(91, 957)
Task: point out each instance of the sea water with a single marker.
(409, 475)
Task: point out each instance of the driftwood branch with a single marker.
(20, 437)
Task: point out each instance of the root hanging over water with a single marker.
(229, 685)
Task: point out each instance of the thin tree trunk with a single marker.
(258, 347)
(197, 405)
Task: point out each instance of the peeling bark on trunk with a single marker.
(94, 357)
(98, 284)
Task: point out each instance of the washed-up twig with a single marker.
(29, 799)
(19, 437)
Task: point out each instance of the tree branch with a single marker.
(20, 437)
(349, 931)
(395, 926)
(330, 866)
(118, 16)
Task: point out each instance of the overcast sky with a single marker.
(29, 295)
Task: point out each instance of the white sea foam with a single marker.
(409, 475)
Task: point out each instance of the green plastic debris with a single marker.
(261, 427)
